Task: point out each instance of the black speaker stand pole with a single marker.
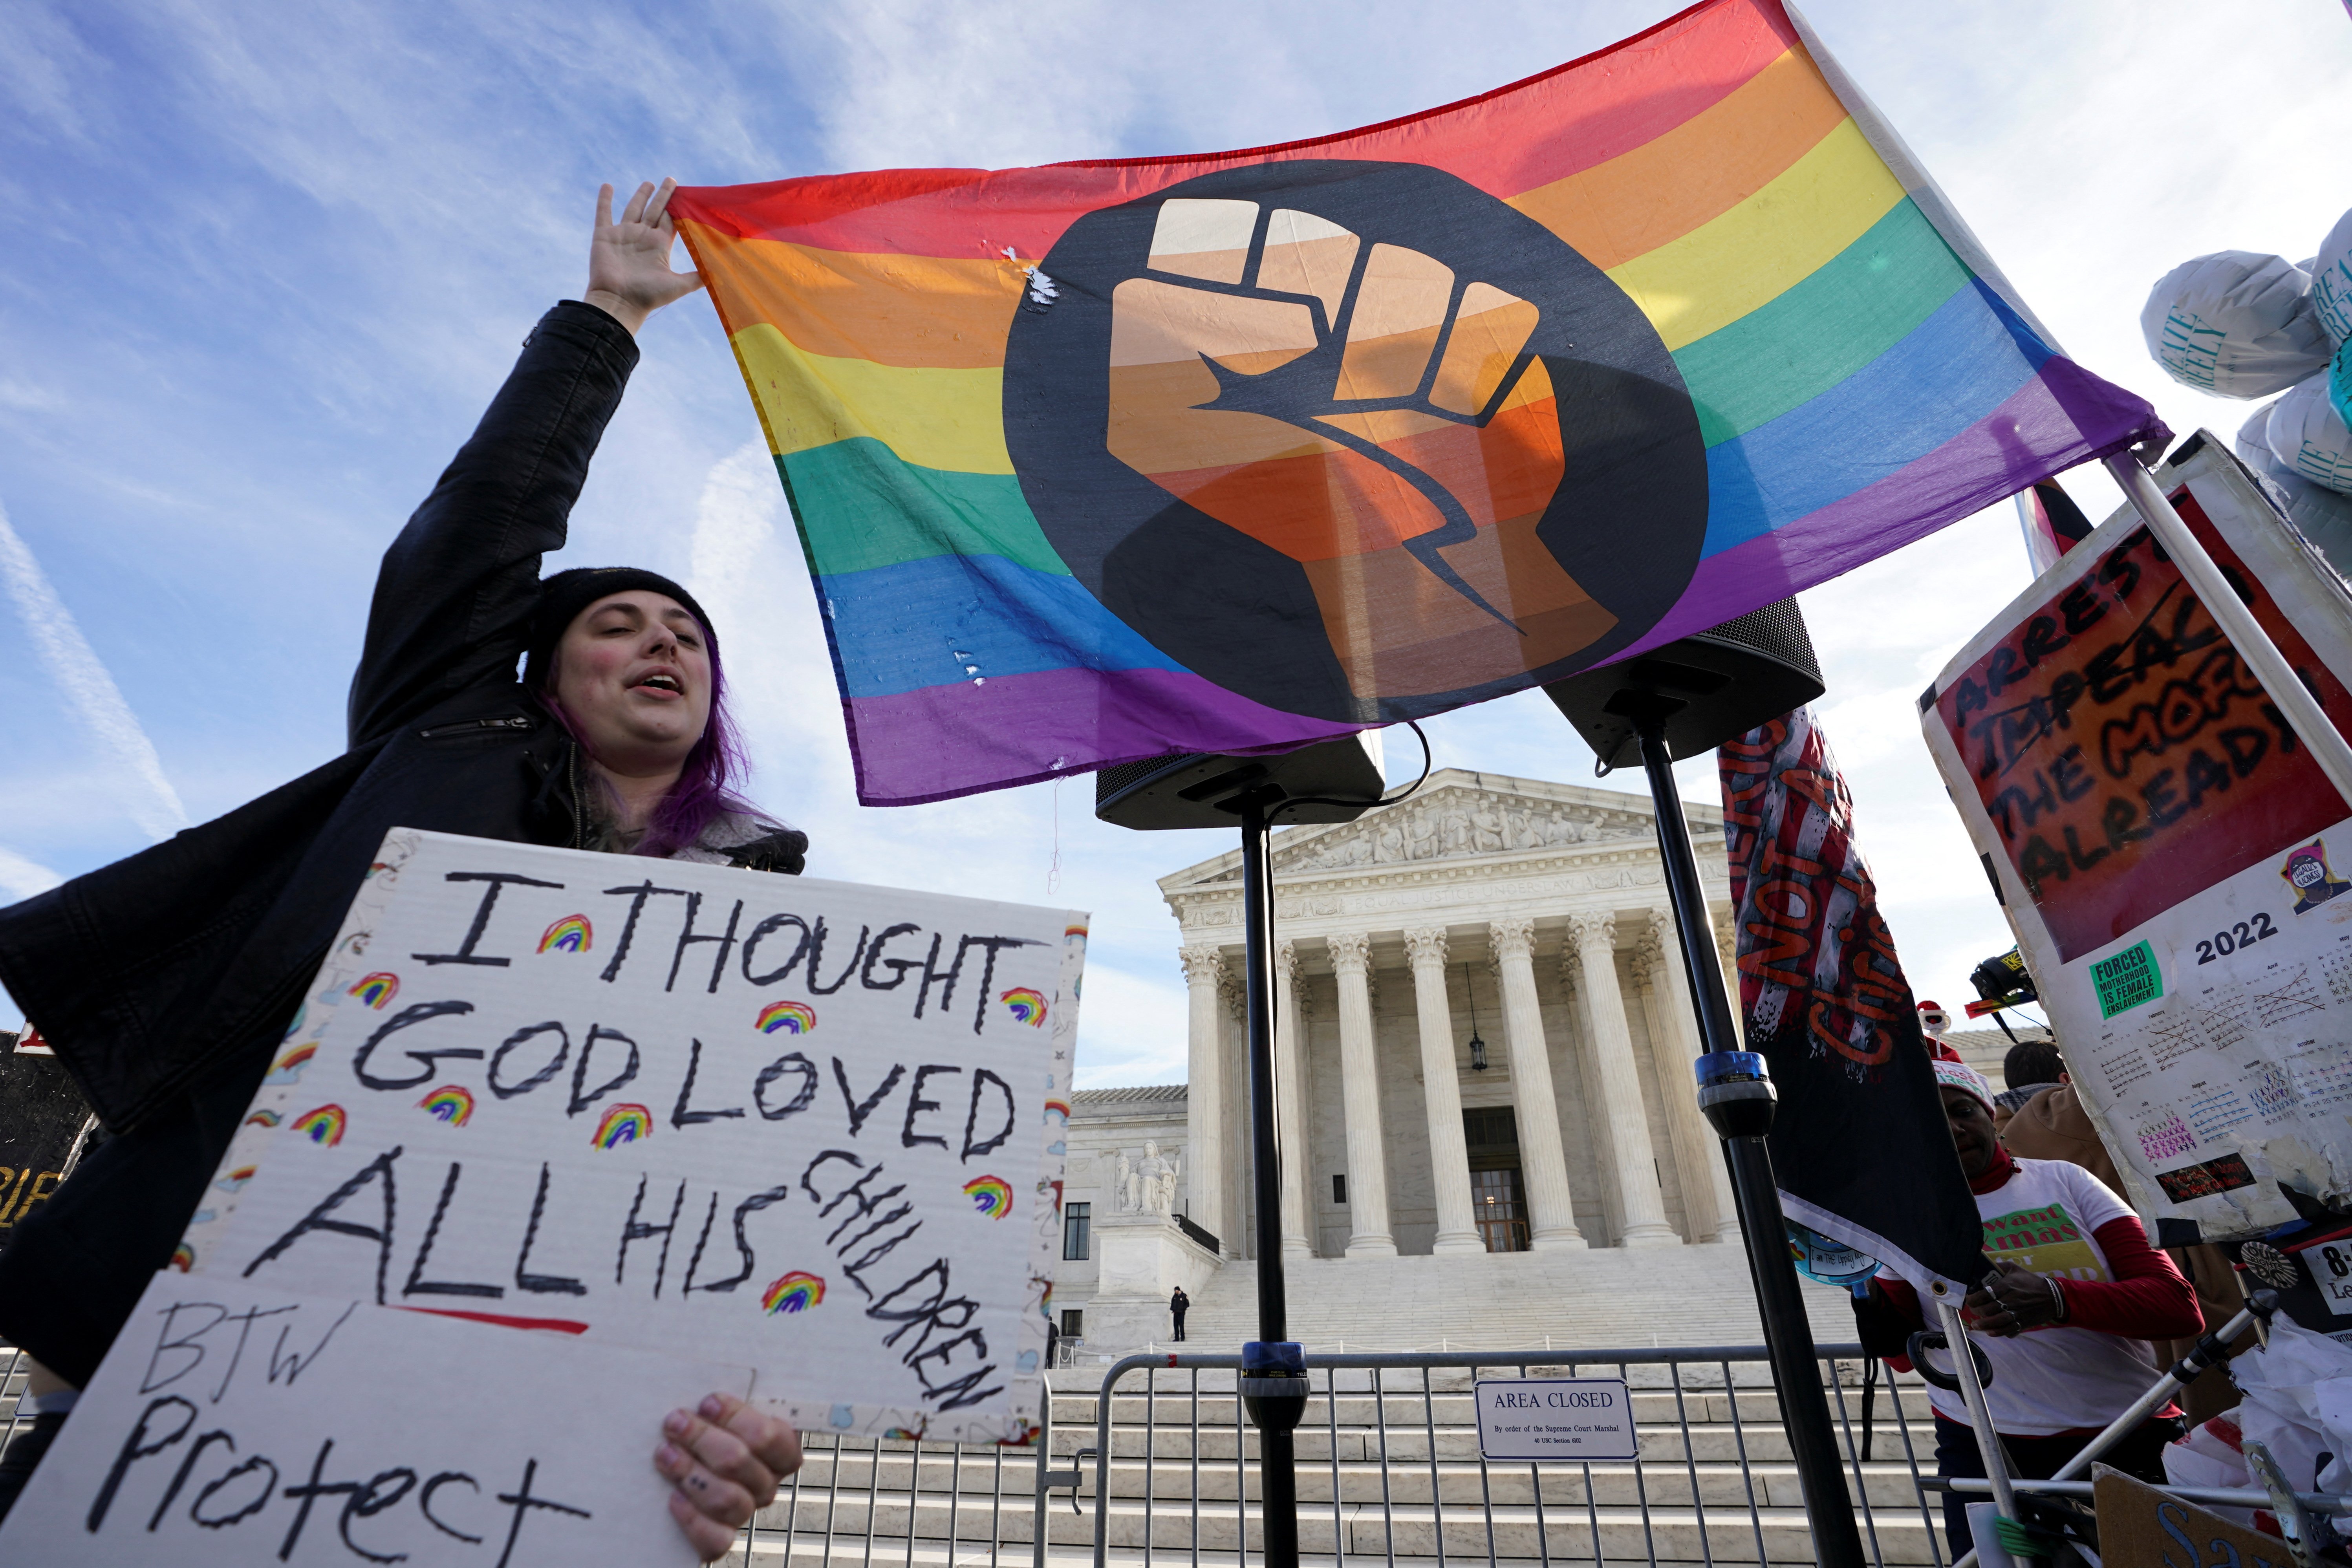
(1737, 1096)
(1274, 1371)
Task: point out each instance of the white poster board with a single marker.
(810, 1127)
(1555, 1418)
(234, 1426)
(2169, 855)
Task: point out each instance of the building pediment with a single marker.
(1458, 816)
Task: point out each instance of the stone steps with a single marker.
(1612, 1298)
(1351, 1500)
(1512, 1531)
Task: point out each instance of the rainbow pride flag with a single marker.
(1230, 452)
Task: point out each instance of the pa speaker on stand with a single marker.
(1656, 708)
(1334, 781)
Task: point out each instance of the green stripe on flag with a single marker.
(1816, 334)
(861, 505)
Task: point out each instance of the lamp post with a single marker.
(1478, 1045)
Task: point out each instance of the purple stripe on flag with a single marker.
(942, 741)
(2062, 418)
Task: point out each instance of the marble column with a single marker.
(1359, 1098)
(1543, 1162)
(1727, 950)
(1449, 1153)
(1639, 1205)
(1290, 1098)
(1674, 1048)
(1204, 1089)
(1596, 1121)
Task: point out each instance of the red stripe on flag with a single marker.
(1590, 110)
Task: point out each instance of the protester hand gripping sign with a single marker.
(2168, 853)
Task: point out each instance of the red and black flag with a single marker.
(1860, 1146)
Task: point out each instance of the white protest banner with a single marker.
(808, 1126)
(234, 1426)
(1555, 1418)
(2167, 852)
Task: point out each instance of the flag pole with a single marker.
(1738, 1099)
(2236, 619)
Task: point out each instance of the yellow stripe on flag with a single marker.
(1767, 245)
(950, 419)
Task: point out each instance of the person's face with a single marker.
(633, 671)
(1973, 1130)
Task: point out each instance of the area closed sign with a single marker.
(1555, 1418)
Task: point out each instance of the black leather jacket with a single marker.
(186, 959)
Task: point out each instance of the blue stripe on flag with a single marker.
(1952, 370)
(953, 618)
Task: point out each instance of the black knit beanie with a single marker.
(562, 596)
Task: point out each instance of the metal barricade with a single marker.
(1397, 1473)
(1389, 1471)
(892, 1503)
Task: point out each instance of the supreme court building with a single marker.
(1484, 1044)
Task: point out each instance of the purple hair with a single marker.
(704, 791)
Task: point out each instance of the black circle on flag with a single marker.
(1353, 439)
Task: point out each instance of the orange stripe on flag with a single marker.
(915, 311)
(1695, 173)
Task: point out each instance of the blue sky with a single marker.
(271, 260)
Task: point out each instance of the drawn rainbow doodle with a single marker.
(572, 934)
(794, 1018)
(235, 1180)
(324, 1126)
(288, 1068)
(795, 1292)
(989, 1196)
(263, 1118)
(184, 1257)
(1060, 1108)
(622, 1125)
(377, 989)
(1028, 1006)
(453, 1103)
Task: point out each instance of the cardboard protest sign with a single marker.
(2139, 1524)
(42, 1115)
(235, 1425)
(2169, 854)
(810, 1127)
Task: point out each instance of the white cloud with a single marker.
(89, 692)
(21, 879)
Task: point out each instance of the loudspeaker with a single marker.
(1711, 687)
(1206, 789)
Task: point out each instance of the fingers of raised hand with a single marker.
(636, 208)
(604, 207)
(658, 210)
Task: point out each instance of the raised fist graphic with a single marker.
(1379, 428)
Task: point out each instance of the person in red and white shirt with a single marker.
(2075, 1291)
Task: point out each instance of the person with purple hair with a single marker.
(165, 980)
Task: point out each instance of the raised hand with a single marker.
(1364, 411)
(629, 276)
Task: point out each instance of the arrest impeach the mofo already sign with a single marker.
(809, 1127)
(1555, 1418)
